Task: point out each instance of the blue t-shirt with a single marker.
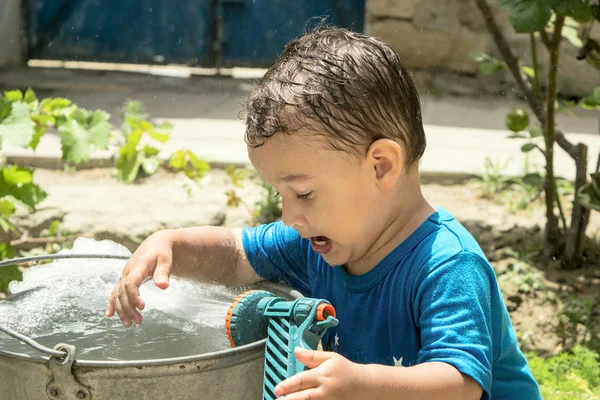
(434, 298)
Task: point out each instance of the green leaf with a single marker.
(591, 101)
(7, 251)
(54, 227)
(572, 36)
(150, 165)
(146, 126)
(529, 71)
(84, 132)
(533, 179)
(159, 136)
(527, 147)
(165, 127)
(7, 208)
(589, 194)
(5, 109)
(9, 274)
(490, 68)
(201, 166)
(15, 176)
(50, 105)
(13, 95)
(38, 132)
(17, 128)
(30, 96)
(534, 132)
(527, 16)
(488, 64)
(128, 168)
(579, 10)
(6, 225)
(178, 160)
(29, 194)
(134, 109)
(18, 183)
(150, 151)
(187, 161)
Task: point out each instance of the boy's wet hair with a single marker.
(347, 87)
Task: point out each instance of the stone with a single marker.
(466, 42)
(440, 16)
(470, 17)
(39, 220)
(416, 48)
(513, 302)
(392, 8)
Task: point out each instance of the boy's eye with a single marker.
(305, 196)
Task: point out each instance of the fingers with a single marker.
(127, 291)
(310, 394)
(312, 358)
(151, 259)
(299, 382)
(163, 270)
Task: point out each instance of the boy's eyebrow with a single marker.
(296, 177)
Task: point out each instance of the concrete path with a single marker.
(461, 132)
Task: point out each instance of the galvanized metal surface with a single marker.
(229, 374)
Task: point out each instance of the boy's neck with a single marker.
(404, 219)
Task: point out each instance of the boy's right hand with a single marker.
(154, 258)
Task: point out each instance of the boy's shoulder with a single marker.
(447, 239)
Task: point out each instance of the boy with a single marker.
(335, 126)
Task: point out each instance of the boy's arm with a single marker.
(207, 253)
(331, 376)
(212, 254)
(431, 381)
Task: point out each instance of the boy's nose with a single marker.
(291, 217)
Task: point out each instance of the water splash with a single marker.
(65, 301)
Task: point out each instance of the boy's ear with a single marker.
(386, 157)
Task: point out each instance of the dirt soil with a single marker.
(535, 289)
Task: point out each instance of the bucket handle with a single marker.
(60, 352)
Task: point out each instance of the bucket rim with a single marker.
(248, 348)
(144, 363)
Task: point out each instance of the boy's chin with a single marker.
(334, 260)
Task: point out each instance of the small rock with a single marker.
(516, 299)
(513, 302)
(39, 220)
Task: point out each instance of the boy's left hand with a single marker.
(331, 376)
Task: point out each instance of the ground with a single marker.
(537, 292)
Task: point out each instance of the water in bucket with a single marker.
(65, 302)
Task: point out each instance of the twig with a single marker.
(552, 230)
(534, 58)
(545, 39)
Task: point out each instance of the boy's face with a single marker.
(328, 196)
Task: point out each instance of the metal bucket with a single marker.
(228, 374)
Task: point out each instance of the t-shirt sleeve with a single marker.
(454, 309)
(278, 253)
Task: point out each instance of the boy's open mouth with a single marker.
(321, 244)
